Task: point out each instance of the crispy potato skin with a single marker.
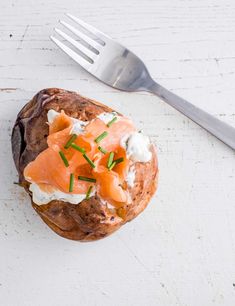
(91, 219)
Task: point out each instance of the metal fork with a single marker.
(120, 68)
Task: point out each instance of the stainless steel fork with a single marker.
(118, 67)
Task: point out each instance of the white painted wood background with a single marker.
(181, 250)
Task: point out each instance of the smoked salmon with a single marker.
(83, 158)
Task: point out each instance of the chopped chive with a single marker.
(71, 183)
(88, 160)
(110, 159)
(115, 162)
(88, 193)
(70, 141)
(111, 122)
(66, 163)
(87, 179)
(76, 147)
(101, 136)
(119, 160)
(102, 150)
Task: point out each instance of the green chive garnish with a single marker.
(110, 159)
(88, 160)
(101, 136)
(66, 163)
(102, 150)
(111, 122)
(115, 162)
(119, 160)
(71, 183)
(87, 179)
(70, 141)
(76, 147)
(111, 167)
(88, 193)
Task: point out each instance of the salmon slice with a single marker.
(49, 171)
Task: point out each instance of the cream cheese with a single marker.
(137, 147)
(41, 197)
(78, 125)
(107, 117)
(130, 178)
(51, 115)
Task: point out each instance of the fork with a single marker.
(118, 67)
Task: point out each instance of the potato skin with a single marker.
(91, 219)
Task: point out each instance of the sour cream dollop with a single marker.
(41, 197)
(107, 117)
(130, 179)
(137, 147)
(78, 125)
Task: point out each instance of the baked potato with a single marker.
(93, 218)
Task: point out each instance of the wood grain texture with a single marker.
(181, 250)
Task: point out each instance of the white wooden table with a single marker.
(181, 250)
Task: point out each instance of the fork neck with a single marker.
(151, 86)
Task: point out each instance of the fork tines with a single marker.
(92, 47)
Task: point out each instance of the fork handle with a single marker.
(216, 127)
